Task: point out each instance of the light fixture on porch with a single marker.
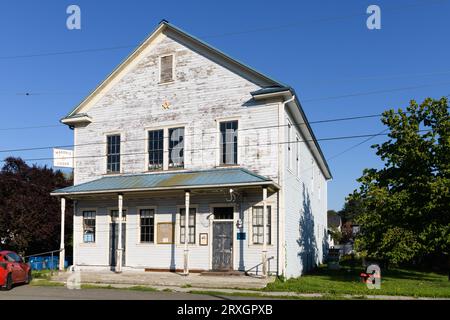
(233, 195)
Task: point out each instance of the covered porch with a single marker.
(138, 222)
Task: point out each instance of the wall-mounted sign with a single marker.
(165, 233)
(241, 235)
(63, 158)
(203, 239)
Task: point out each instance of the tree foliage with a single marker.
(30, 218)
(405, 205)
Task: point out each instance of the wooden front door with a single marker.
(222, 253)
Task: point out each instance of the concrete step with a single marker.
(223, 273)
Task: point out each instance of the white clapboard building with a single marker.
(187, 160)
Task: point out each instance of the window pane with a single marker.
(88, 226)
(115, 215)
(258, 226)
(155, 149)
(228, 143)
(113, 154)
(176, 147)
(192, 214)
(147, 222)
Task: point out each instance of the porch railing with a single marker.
(257, 267)
(52, 259)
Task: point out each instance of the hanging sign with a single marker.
(63, 158)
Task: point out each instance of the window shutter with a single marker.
(166, 69)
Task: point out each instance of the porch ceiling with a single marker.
(201, 179)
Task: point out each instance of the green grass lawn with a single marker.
(42, 274)
(401, 282)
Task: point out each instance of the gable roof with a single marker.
(165, 27)
(268, 85)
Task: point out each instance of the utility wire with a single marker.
(255, 30)
(356, 145)
(218, 148)
(31, 93)
(377, 115)
(367, 93)
(202, 134)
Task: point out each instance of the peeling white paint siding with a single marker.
(164, 256)
(305, 245)
(202, 92)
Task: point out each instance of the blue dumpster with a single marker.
(37, 265)
(49, 264)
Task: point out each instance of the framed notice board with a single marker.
(165, 232)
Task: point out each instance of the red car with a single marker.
(13, 270)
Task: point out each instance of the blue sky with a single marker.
(321, 48)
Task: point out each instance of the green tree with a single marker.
(30, 218)
(405, 214)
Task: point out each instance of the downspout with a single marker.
(281, 207)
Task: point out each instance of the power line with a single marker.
(255, 30)
(37, 93)
(384, 77)
(356, 145)
(202, 134)
(60, 53)
(244, 129)
(217, 148)
(377, 115)
(367, 93)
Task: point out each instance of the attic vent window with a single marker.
(166, 69)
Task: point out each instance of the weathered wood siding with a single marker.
(305, 210)
(165, 256)
(202, 93)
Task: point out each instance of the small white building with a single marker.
(177, 125)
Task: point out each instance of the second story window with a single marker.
(289, 147)
(229, 143)
(166, 69)
(176, 148)
(155, 149)
(113, 154)
(297, 156)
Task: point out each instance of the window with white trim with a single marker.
(191, 235)
(258, 225)
(166, 69)
(319, 191)
(229, 143)
(289, 147)
(89, 226)
(113, 153)
(147, 225)
(176, 147)
(155, 149)
(297, 156)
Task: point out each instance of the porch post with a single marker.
(61, 248)
(264, 246)
(119, 240)
(186, 232)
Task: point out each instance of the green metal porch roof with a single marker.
(168, 181)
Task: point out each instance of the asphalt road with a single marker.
(27, 292)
